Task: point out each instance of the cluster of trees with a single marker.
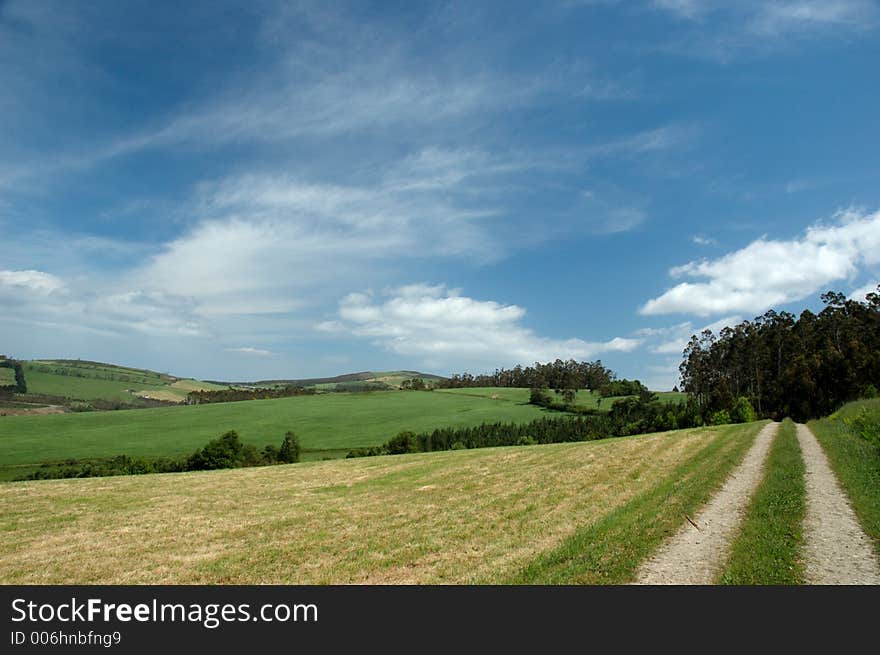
(554, 375)
(634, 415)
(416, 384)
(802, 367)
(20, 385)
(233, 394)
(622, 388)
(227, 451)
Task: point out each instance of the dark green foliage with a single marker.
(803, 368)
(235, 394)
(404, 442)
(20, 385)
(415, 384)
(290, 449)
(622, 388)
(553, 375)
(627, 416)
(227, 451)
(223, 453)
(539, 396)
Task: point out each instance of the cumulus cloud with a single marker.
(771, 272)
(444, 326)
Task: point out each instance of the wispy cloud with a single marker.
(248, 350)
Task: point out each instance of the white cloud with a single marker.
(770, 272)
(440, 324)
(248, 350)
(774, 18)
(31, 281)
(863, 291)
(677, 336)
(700, 240)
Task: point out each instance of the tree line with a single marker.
(803, 367)
(233, 394)
(20, 385)
(628, 416)
(224, 452)
(554, 375)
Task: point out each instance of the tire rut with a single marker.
(695, 554)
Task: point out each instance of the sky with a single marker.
(253, 190)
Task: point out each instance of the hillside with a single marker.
(329, 425)
(85, 381)
(490, 515)
(376, 379)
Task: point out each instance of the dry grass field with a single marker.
(447, 517)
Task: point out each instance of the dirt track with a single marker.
(695, 555)
(836, 548)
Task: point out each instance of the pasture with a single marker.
(328, 425)
(80, 380)
(487, 515)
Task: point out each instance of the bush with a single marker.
(866, 424)
(290, 449)
(404, 442)
(223, 453)
(721, 417)
(458, 445)
(527, 441)
(742, 411)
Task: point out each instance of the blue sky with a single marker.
(255, 190)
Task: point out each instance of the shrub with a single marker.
(458, 445)
(527, 441)
(223, 453)
(404, 442)
(720, 417)
(866, 424)
(290, 449)
(742, 411)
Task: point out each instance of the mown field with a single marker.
(329, 425)
(489, 515)
(91, 381)
(7, 376)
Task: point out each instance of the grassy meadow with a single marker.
(7, 376)
(585, 397)
(329, 425)
(487, 515)
(92, 381)
(855, 461)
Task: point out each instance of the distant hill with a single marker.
(84, 380)
(368, 379)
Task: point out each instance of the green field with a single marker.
(585, 397)
(561, 513)
(328, 425)
(855, 460)
(7, 376)
(92, 381)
